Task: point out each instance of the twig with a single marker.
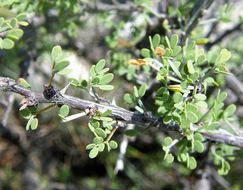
(196, 14)
(237, 27)
(118, 113)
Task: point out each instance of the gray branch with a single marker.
(118, 113)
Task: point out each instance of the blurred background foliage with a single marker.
(54, 156)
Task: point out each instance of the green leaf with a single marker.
(100, 65)
(23, 23)
(169, 158)
(104, 87)
(198, 146)
(182, 157)
(192, 163)
(128, 98)
(202, 104)
(173, 40)
(145, 52)
(64, 111)
(56, 51)
(224, 56)
(101, 147)
(29, 123)
(7, 43)
(94, 152)
(100, 132)
(25, 113)
(34, 124)
(135, 92)
(107, 78)
(222, 96)
(131, 132)
(142, 90)
(90, 146)
(177, 97)
(190, 67)
(21, 16)
(167, 141)
(156, 40)
(98, 140)
(230, 110)
(200, 97)
(213, 126)
(199, 137)
(192, 117)
(113, 144)
(60, 66)
(174, 68)
(23, 83)
(15, 33)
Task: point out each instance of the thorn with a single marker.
(63, 91)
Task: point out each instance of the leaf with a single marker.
(15, 33)
(135, 92)
(21, 16)
(222, 96)
(192, 163)
(174, 40)
(202, 104)
(128, 98)
(29, 123)
(100, 65)
(56, 51)
(34, 124)
(7, 43)
(98, 140)
(200, 97)
(113, 144)
(199, 137)
(198, 146)
(230, 110)
(60, 66)
(213, 126)
(156, 40)
(142, 90)
(101, 147)
(190, 67)
(223, 56)
(175, 87)
(177, 97)
(100, 132)
(90, 146)
(23, 23)
(64, 111)
(167, 141)
(131, 132)
(169, 158)
(23, 83)
(174, 68)
(104, 87)
(202, 41)
(94, 152)
(145, 52)
(107, 78)
(192, 117)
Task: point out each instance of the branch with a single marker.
(237, 27)
(118, 113)
(195, 15)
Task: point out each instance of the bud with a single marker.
(159, 51)
(138, 62)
